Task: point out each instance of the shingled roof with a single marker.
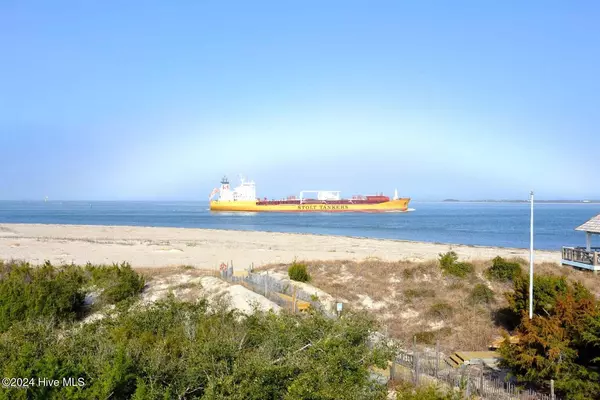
(593, 225)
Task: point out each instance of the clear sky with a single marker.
(156, 100)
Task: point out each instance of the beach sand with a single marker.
(207, 248)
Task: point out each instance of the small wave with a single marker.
(400, 211)
(235, 213)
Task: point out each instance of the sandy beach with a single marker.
(207, 248)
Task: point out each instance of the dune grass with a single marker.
(464, 310)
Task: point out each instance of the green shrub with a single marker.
(118, 282)
(58, 293)
(561, 341)
(32, 292)
(460, 269)
(440, 310)
(548, 289)
(298, 272)
(448, 259)
(503, 270)
(450, 265)
(481, 294)
(178, 350)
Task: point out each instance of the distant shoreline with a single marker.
(524, 201)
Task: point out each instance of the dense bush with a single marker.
(117, 282)
(481, 294)
(182, 350)
(561, 342)
(447, 259)
(450, 265)
(298, 272)
(58, 293)
(548, 289)
(503, 270)
(28, 292)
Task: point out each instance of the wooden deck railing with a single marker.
(581, 255)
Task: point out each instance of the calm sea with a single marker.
(486, 224)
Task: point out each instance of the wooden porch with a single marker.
(587, 257)
(581, 257)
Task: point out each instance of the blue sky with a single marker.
(155, 100)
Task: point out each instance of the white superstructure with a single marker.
(330, 195)
(246, 191)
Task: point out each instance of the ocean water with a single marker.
(486, 224)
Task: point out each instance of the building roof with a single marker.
(593, 225)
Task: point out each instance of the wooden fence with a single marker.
(423, 368)
(420, 367)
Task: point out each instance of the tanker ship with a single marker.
(243, 198)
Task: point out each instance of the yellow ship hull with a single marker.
(252, 206)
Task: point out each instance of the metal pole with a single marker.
(531, 260)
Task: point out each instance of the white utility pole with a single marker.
(531, 259)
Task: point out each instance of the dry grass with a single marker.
(163, 273)
(415, 298)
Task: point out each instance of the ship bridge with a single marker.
(246, 191)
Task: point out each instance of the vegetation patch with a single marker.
(46, 291)
(118, 282)
(561, 341)
(298, 272)
(456, 285)
(176, 350)
(430, 337)
(451, 266)
(481, 294)
(419, 293)
(440, 310)
(408, 273)
(503, 270)
(407, 391)
(58, 293)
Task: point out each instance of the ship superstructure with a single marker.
(243, 198)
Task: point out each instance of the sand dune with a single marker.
(207, 248)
